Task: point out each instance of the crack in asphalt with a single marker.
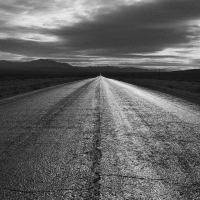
(60, 105)
(22, 142)
(164, 125)
(96, 155)
(35, 191)
(106, 175)
(95, 186)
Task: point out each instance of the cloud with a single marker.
(28, 48)
(105, 29)
(51, 13)
(145, 27)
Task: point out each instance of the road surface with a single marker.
(99, 139)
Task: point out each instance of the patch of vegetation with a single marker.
(198, 90)
(188, 89)
(13, 85)
(171, 86)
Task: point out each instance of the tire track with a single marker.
(169, 140)
(59, 106)
(96, 154)
(22, 141)
(82, 154)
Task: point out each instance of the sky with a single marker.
(155, 34)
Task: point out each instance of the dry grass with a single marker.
(10, 86)
(187, 86)
(188, 90)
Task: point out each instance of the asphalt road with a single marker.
(99, 139)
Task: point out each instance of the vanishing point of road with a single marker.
(99, 139)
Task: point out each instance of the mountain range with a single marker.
(50, 67)
(47, 67)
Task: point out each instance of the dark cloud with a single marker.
(8, 8)
(19, 6)
(149, 56)
(145, 27)
(29, 48)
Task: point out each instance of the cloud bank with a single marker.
(154, 33)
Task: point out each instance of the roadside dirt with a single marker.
(11, 86)
(188, 90)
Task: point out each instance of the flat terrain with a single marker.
(15, 85)
(99, 139)
(186, 89)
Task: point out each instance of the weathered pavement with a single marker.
(99, 139)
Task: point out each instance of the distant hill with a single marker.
(47, 67)
(33, 67)
(50, 67)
